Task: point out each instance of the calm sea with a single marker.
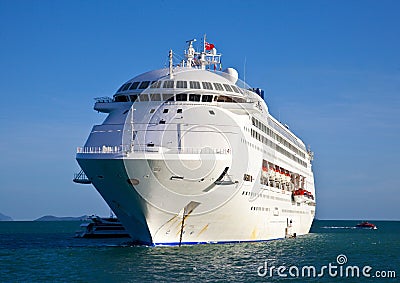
(48, 251)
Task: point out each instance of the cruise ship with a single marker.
(189, 154)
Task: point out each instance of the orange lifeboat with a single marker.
(302, 195)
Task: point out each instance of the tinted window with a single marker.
(156, 84)
(218, 86)
(207, 85)
(155, 96)
(126, 87)
(144, 84)
(234, 88)
(168, 84)
(133, 97)
(168, 97)
(194, 97)
(206, 98)
(239, 99)
(181, 97)
(224, 98)
(194, 84)
(144, 97)
(134, 85)
(181, 84)
(121, 98)
(228, 88)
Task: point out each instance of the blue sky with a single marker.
(330, 69)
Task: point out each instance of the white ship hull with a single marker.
(197, 166)
(233, 221)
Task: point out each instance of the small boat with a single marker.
(301, 195)
(366, 225)
(99, 227)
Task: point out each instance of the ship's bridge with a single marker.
(160, 85)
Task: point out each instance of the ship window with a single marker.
(126, 86)
(239, 99)
(179, 110)
(224, 98)
(126, 111)
(155, 84)
(195, 84)
(168, 97)
(207, 85)
(181, 97)
(228, 88)
(165, 110)
(234, 88)
(155, 96)
(218, 86)
(121, 98)
(133, 97)
(120, 89)
(211, 112)
(206, 98)
(144, 97)
(162, 122)
(152, 110)
(144, 84)
(181, 84)
(194, 97)
(134, 85)
(248, 178)
(168, 84)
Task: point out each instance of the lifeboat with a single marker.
(303, 196)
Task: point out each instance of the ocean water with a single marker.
(48, 252)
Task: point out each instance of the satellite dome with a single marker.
(230, 74)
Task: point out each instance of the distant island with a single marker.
(55, 218)
(5, 217)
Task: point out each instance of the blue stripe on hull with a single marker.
(173, 244)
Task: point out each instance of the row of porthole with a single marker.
(259, 208)
(293, 211)
(264, 196)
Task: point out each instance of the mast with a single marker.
(171, 75)
(201, 59)
(190, 52)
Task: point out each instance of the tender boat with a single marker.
(99, 227)
(366, 225)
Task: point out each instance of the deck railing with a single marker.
(150, 149)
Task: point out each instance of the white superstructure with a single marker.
(189, 154)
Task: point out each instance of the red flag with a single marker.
(209, 46)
